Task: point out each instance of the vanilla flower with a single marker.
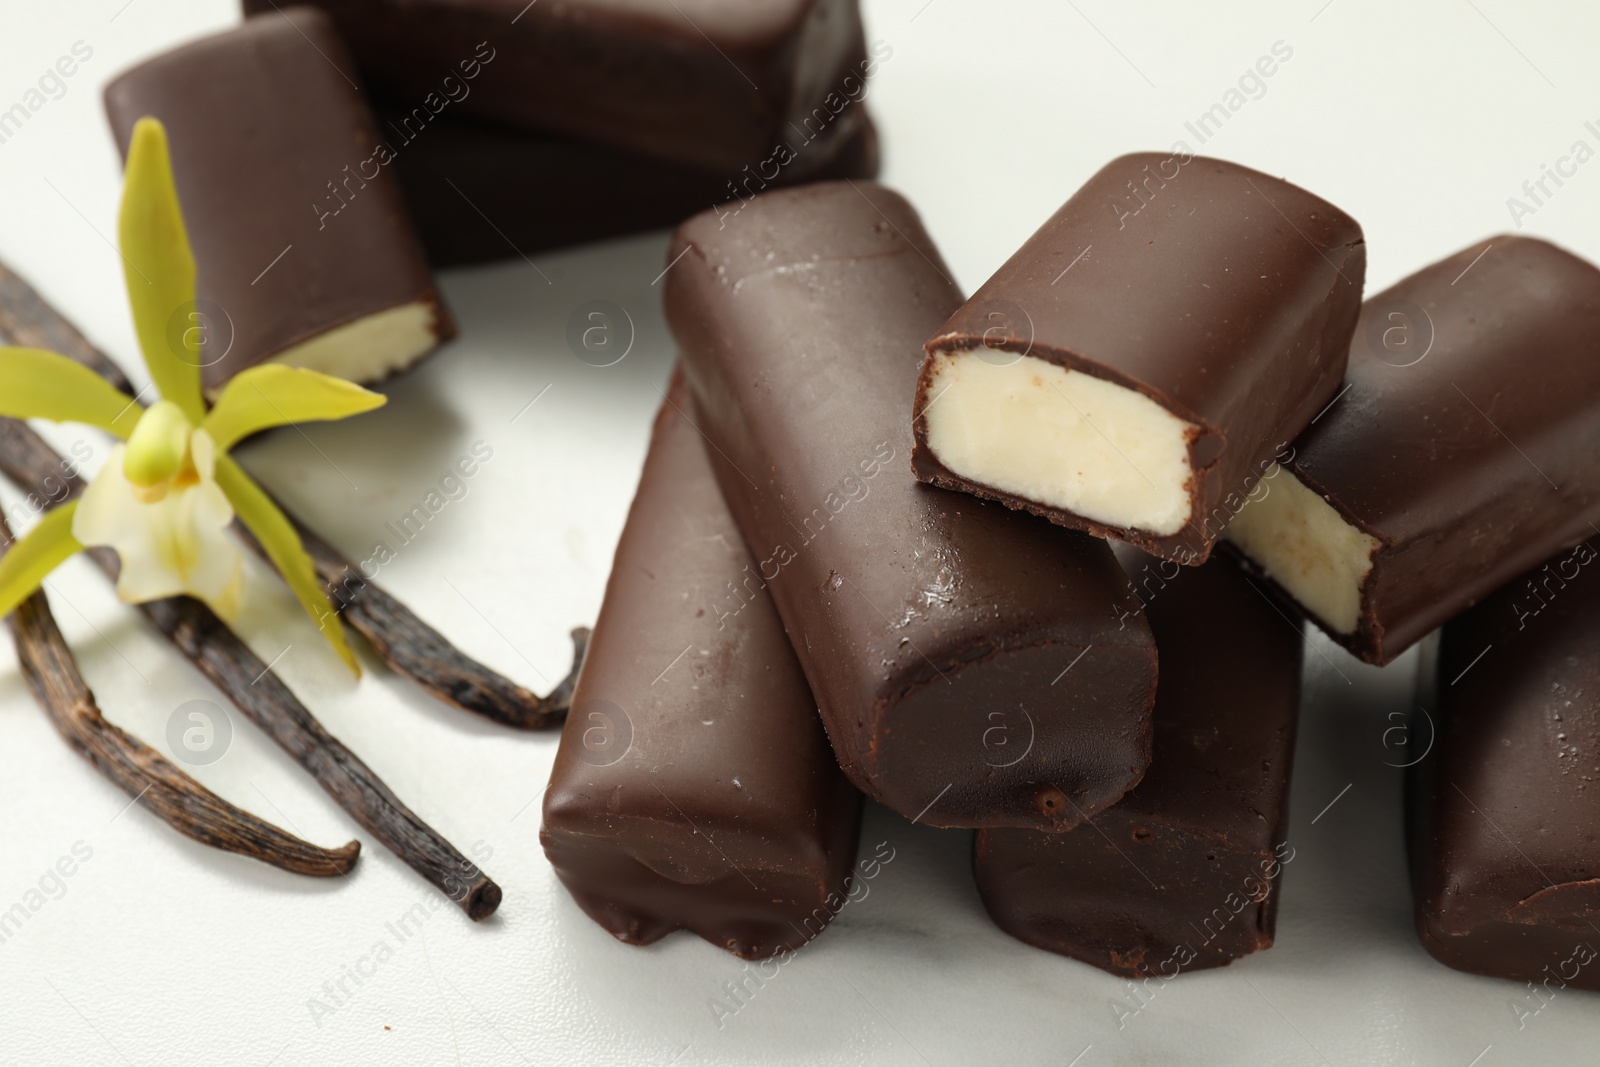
(166, 496)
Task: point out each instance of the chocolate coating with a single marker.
(1182, 873)
(479, 193)
(694, 788)
(941, 635)
(1225, 295)
(1503, 811)
(262, 125)
(717, 84)
(1477, 459)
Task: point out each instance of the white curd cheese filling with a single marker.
(372, 347)
(1060, 438)
(1304, 545)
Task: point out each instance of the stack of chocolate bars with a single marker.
(871, 498)
(1178, 359)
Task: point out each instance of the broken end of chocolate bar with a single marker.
(1071, 441)
(1293, 535)
(367, 350)
(1459, 453)
(1133, 368)
(927, 466)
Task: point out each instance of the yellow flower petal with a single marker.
(159, 269)
(28, 560)
(35, 384)
(278, 536)
(275, 395)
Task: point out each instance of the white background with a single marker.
(1419, 118)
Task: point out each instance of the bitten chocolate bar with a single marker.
(694, 789)
(1182, 874)
(707, 83)
(1462, 452)
(1135, 367)
(479, 193)
(1502, 810)
(974, 667)
(304, 252)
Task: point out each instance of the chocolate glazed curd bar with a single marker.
(1503, 811)
(544, 192)
(711, 83)
(1182, 873)
(303, 255)
(1465, 449)
(974, 667)
(1133, 369)
(694, 788)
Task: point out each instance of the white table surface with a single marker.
(1420, 118)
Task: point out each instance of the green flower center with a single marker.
(157, 456)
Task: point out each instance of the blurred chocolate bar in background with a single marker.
(479, 193)
(708, 83)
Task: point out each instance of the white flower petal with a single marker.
(97, 516)
(214, 563)
(177, 545)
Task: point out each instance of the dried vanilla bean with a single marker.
(411, 647)
(417, 651)
(139, 770)
(27, 460)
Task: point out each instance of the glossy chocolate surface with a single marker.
(974, 666)
(718, 84)
(296, 229)
(479, 193)
(1468, 443)
(1182, 874)
(694, 788)
(1504, 811)
(1225, 295)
